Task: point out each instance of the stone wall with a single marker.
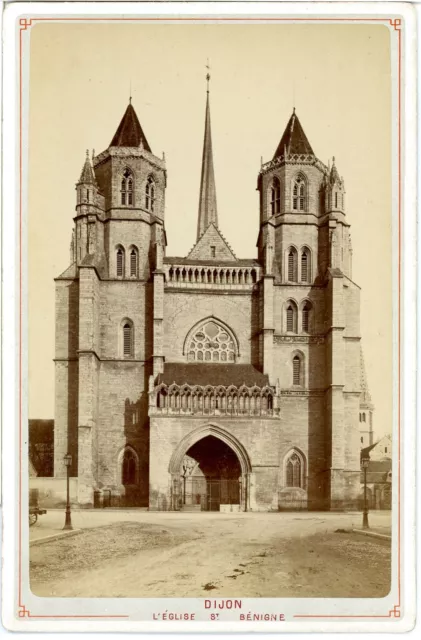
(183, 309)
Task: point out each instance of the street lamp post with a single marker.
(68, 521)
(365, 461)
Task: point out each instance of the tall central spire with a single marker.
(207, 203)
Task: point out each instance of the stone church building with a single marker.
(209, 382)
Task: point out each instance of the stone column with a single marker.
(268, 327)
(158, 320)
(88, 383)
(251, 491)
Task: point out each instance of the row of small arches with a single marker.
(133, 264)
(127, 192)
(212, 276)
(222, 399)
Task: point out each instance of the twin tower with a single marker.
(209, 368)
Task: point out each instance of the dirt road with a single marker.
(208, 555)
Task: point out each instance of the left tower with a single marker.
(108, 319)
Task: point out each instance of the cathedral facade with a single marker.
(209, 382)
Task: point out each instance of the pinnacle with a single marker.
(87, 175)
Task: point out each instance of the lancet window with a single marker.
(294, 471)
(127, 188)
(128, 468)
(275, 197)
(150, 194)
(120, 262)
(292, 265)
(299, 194)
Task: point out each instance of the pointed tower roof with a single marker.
(129, 132)
(207, 202)
(87, 176)
(294, 140)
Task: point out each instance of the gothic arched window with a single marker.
(127, 188)
(297, 371)
(133, 263)
(305, 317)
(299, 194)
(294, 471)
(305, 265)
(128, 468)
(120, 255)
(292, 265)
(275, 196)
(150, 194)
(210, 342)
(127, 339)
(291, 317)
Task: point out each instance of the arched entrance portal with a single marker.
(210, 476)
(210, 471)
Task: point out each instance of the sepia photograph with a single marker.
(211, 298)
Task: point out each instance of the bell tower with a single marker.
(133, 181)
(290, 205)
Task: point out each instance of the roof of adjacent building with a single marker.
(195, 373)
(246, 262)
(129, 132)
(364, 453)
(378, 471)
(294, 140)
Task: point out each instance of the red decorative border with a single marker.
(396, 23)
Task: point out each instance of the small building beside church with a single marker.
(209, 381)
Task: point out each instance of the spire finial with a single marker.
(333, 159)
(293, 95)
(87, 153)
(207, 200)
(208, 74)
(130, 92)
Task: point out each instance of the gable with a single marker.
(212, 237)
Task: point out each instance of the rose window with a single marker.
(211, 343)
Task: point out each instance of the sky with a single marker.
(337, 77)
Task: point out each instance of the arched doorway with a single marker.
(210, 471)
(210, 476)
